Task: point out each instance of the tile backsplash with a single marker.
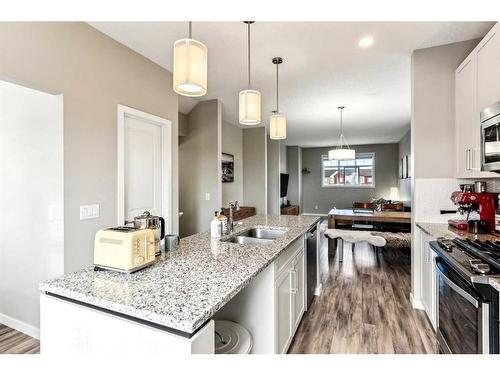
(430, 195)
(492, 184)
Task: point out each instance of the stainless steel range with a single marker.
(467, 305)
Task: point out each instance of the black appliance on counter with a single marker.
(467, 305)
(312, 260)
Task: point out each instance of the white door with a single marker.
(143, 172)
(144, 165)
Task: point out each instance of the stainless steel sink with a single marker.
(242, 240)
(256, 236)
(264, 233)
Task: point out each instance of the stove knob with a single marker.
(139, 259)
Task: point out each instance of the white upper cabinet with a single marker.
(464, 117)
(477, 85)
(488, 70)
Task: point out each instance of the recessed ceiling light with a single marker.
(365, 42)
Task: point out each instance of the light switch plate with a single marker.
(207, 196)
(90, 211)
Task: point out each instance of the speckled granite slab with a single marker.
(436, 230)
(184, 288)
(444, 230)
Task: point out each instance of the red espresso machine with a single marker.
(484, 203)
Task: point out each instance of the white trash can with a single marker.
(231, 338)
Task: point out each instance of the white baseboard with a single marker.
(416, 303)
(318, 290)
(23, 327)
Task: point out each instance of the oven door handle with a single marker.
(454, 286)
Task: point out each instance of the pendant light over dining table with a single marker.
(249, 99)
(277, 121)
(342, 151)
(190, 66)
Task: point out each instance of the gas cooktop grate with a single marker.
(487, 251)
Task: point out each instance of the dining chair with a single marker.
(398, 206)
(362, 207)
(392, 207)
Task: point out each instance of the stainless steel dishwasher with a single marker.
(312, 260)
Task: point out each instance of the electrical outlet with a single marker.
(90, 211)
(316, 207)
(207, 196)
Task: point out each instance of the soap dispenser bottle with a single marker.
(215, 226)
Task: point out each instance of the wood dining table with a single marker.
(349, 215)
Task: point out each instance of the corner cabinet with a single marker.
(477, 86)
(428, 278)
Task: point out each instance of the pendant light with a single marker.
(342, 151)
(190, 66)
(277, 121)
(249, 103)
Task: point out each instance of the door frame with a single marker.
(166, 162)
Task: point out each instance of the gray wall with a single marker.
(294, 167)
(404, 147)
(232, 143)
(433, 106)
(199, 168)
(283, 159)
(255, 169)
(94, 73)
(273, 176)
(183, 125)
(386, 176)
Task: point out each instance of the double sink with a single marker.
(256, 236)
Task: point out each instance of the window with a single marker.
(348, 173)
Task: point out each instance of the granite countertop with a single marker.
(436, 230)
(444, 230)
(184, 288)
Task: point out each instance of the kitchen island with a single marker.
(175, 299)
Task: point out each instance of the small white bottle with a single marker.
(215, 226)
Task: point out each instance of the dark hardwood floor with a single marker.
(365, 307)
(15, 342)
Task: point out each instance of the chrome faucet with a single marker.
(230, 221)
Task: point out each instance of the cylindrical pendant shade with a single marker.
(342, 154)
(277, 126)
(190, 67)
(249, 107)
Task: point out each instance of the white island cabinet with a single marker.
(290, 300)
(272, 306)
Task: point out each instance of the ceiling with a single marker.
(323, 68)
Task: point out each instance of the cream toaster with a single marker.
(124, 249)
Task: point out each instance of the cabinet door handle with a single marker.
(293, 276)
(477, 159)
